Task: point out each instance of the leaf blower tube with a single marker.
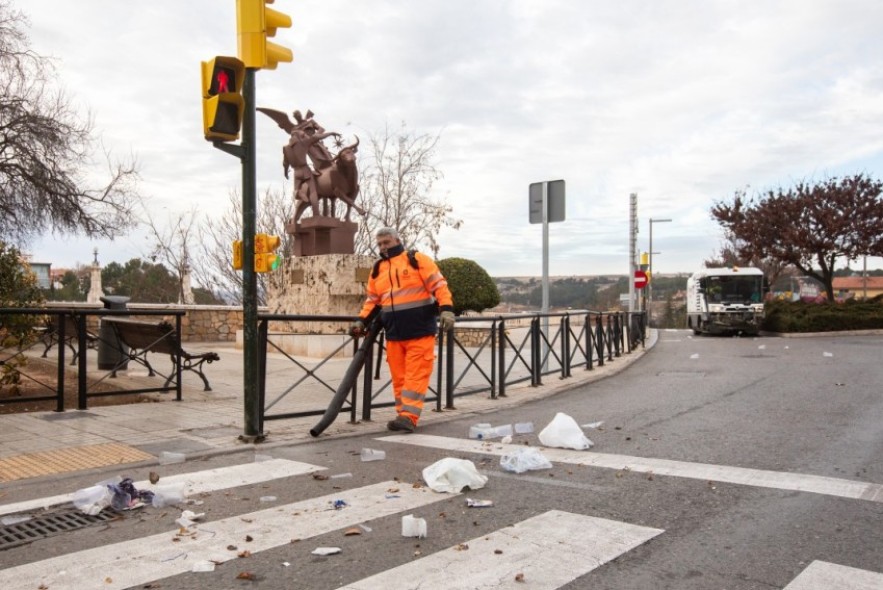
(352, 373)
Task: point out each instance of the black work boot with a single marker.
(401, 424)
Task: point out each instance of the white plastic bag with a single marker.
(93, 500)
(453, 475)
(565, 433)
(524, 459)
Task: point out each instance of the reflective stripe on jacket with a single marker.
(409, 298)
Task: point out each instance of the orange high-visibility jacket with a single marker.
(409, 298)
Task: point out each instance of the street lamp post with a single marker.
(650, 266)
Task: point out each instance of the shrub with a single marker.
(470, 285)
(796, 316)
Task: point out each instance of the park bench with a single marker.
(51, 335)
(161, 338)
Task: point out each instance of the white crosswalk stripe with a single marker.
(821, 575)
(817, 484)
(143, 560)
(208, 480)
(546, 551)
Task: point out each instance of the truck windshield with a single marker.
(734, 289)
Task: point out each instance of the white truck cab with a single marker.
(725, 300)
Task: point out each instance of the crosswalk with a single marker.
(544, 551)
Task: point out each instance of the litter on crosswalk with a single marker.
(453, 475)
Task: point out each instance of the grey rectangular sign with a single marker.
(554, 201)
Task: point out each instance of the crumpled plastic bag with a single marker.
(453, 475)
(93, 499)
(565, 433)
(524, 459)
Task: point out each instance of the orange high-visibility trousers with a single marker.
(410, 366)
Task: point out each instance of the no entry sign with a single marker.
(640, 279)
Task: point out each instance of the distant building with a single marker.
(43, 271)
(857, 287)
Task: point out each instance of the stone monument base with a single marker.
(319, 235)
(329, 285)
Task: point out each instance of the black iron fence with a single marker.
(481, 355)
(29, 373)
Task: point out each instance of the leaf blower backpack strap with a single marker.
(412, 260)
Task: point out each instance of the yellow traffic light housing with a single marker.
(264, 258)
(254, 23)
(237, 254)
(222, 102)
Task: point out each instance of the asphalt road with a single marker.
(789, 428)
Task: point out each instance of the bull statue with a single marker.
(330, 178)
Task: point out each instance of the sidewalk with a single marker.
(203, 423)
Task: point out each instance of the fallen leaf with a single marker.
(462, 547)
(393, 490)
(153, 477)
(108, 580)
(519, 577)
(352, 531)
(248, 538)
(232, 547)
(42, 587)
(245, 576)
(320, 476)
(498, 551)
(245, 553)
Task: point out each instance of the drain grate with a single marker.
(47, 525)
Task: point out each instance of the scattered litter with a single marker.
(761, 347)
(320, 476)
(338, 504)
(524, 459)
(694, 356)
(594, 425)
(340, 475)
(523, 427)
(413, 527)
(391, 496)
(829, 354)
(482, 431)
(203, 566)
(504, 430)
(15, 519)
(326, 551)
(351, 532)
(372, 455)
(168, 494)
(189, 514)
(479, 503)
(184, 523)
(285, 564)
(167, 458)
(506, 440)
(93, 499)
(126, 497)
(564, 432)
(268, 498)
(453, 475)
(365, 528)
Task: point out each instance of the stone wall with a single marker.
(201, 323)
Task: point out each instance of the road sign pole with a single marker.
(545, 307)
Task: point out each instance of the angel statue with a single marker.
(330, 177)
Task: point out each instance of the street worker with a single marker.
(410, 292)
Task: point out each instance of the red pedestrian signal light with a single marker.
(222, 102)
(254, 23)
(265, 260)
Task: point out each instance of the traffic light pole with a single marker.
(251, 399)
(247, 153)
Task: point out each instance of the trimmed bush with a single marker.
(796, 316)
(472, 288)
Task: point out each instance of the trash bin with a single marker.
(111, 352)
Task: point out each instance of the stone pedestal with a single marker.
(331, 284)
(314, 236)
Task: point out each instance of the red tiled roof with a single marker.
(857, 283)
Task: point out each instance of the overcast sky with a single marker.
(680, 101)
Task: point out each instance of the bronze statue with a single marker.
(330, 178)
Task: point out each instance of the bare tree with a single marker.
(46, 149)
(172, 244)
(809, 226)
(396, 191)
(215, 244)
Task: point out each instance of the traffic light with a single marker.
(254, 23)
(237, 254)
(222, 102)
(264, 258)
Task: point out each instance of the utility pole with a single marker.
(650, 265)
